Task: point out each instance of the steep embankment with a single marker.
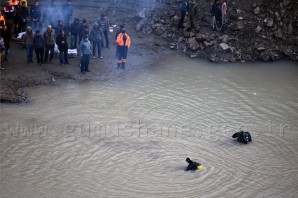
(264, 30)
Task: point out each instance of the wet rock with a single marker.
(264, 56)
(258, 29)
(193, 55)
(193, 44)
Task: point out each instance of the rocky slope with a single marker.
(264, 30)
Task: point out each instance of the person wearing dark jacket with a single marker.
(23, 16)
(49, 40)
(74, 32)
(83, 30)
(61, 41)
(9, 13)
(38, 44)
(105, 25)
(67, 11)
(96, 36)
(242, 136)
(60, 26)
(6, 34)
(184, 9)
(192, 166)
(35, 13)
(216, 13)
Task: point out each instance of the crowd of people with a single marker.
(44, 27)
(41, 28)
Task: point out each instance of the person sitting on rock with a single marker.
(192, 166)
(242, 136)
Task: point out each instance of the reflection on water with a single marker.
(129, 137)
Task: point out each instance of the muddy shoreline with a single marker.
(18, 75)
(253, 33)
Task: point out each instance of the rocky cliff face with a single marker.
(264, 30)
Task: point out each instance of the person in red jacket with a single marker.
(123, 43)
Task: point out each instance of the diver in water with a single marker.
(192, 166)
(242, 136)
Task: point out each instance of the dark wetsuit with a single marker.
(192, 165)
(242, 136)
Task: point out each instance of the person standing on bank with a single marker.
(184, 8)
(28, 39)
(96, 37)
(105, 24)
(85, 48)
(62, 44)
(216, 13)
(123, 43)
(74, 32)
(23, 16)
(116, 35)
(50, 40)
(6, 34)
(35, 13)
(38, 44)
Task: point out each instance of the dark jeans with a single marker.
(39, 55)
(106, 34)
(97, 45)
(29, 50)
(22, 27)
(49, 48)
(63, 55)
(35, 25)
(85, 63)
(6, 53)
(73, 41)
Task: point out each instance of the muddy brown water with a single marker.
(129, 137)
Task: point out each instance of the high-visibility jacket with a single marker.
(16, 3)
(123, 40)
(2, 21)
(9, 12)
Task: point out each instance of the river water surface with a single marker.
(129, 137)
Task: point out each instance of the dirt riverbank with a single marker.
(255, 30)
